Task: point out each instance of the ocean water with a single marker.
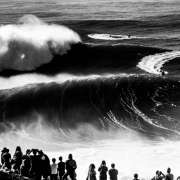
(98, 79)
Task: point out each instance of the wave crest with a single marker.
(32, 42)
(154, 63)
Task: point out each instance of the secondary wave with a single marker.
(84, 58)
(32, 42)
(113, 37)
(154, 63)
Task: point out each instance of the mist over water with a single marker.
(128, 150)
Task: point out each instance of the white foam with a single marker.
(154, 63)
(112, 37)
(25, 79)
(131, 153)
(32, 42)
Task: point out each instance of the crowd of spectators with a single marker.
(35, 165)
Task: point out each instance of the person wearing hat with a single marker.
(2, 152)
(6, 159)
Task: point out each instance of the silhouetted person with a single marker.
(169, 175)
(113, 173)
(159, 176)
(54, 168)
(45, 165)
(26, 163)
(91, 172)
(17, 159)
(103, 171)
(35, 170)
(70, 168)
(136, 177)
(61, 168)
(2, 152)
(6, 159)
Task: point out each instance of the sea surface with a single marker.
(99, 79)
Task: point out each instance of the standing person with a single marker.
(91, 173)
(169, 175)
(61, 168)
(35, 170)
(135, 176)
(103, 171)
(26, 163)
(6, 159)
(17, 159)
(45, 165)
(70, 168)
(113, 173)
(159, 176)
(2, 152)
(54, 168)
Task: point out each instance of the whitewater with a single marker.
(154, 63)
(129, 152)
(114, 37)
(32, 42)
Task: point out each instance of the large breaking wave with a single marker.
(32, 42)
(92, 97)
(136, 103)
(74, 83)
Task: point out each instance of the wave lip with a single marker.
(154, 63)
(32, 42)
(30, 79)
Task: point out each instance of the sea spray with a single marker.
(31, 42)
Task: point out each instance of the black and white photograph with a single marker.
(89, 90)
